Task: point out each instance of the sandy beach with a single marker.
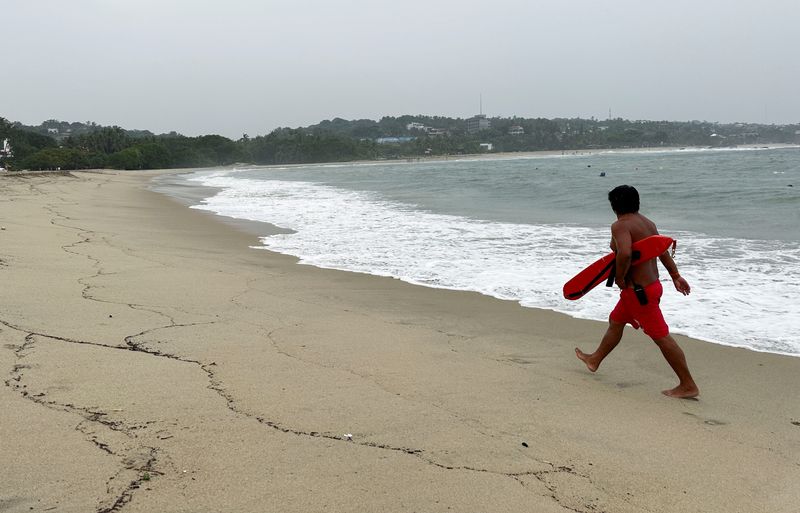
(153, 361)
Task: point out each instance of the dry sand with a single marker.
(153, 362)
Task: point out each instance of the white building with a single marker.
(5, 152)
(516, 130)
(478, 123)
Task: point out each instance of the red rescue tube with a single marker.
(643, 250)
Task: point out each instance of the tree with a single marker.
(129, 158)
(153, 155)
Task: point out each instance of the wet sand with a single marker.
(152, 361)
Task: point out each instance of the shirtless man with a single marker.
(630, 227)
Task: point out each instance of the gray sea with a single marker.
(517, 228)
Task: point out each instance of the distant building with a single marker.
(718, 139)
(478, 123)
(5, 152)
(52, 131)
(516, 130)
(393, 140)
(487, 146)
(429, 130)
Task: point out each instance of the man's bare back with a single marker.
(630, 228)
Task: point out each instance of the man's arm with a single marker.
(622, 240)
(681, 285)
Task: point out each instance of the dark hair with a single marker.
(624, 199)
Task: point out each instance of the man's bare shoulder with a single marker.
(636, 227)
(622, 224)
(621, 231)
(649, 224)
(644, 218)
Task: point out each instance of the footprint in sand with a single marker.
(522, 360)
(710, 422)
(629, 384)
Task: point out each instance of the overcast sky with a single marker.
(248, 66)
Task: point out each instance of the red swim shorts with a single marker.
(649, 317)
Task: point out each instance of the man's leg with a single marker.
(677, 360)
(610, 340)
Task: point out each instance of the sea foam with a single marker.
(744, 291)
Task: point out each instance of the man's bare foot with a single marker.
(682, 392)
(587, 359)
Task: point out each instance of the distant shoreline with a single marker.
(556, 153)
(437, 158)
(511, 155)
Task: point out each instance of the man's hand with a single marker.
(681, 285)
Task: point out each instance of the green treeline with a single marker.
(61, 145)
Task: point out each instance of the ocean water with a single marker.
(517, 228)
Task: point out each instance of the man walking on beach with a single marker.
(636, 306)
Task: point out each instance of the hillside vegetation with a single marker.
(64, 145)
